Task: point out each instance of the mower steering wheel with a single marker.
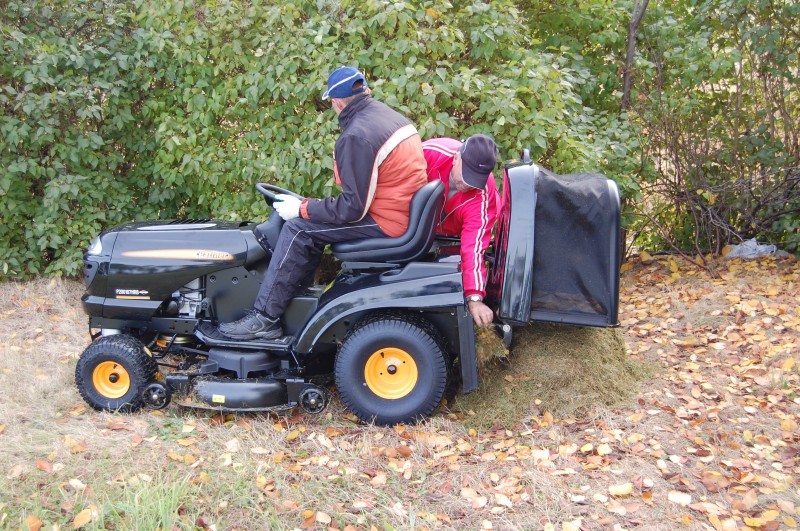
(269, 191)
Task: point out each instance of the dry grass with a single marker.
(180, 469)
(560, 369)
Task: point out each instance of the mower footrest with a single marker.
(282, 343)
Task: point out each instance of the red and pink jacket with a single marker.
(470, 215)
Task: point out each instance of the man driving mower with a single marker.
(378, 163)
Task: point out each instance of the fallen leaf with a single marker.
(636, 417)
(681, 498)
(625, 489)
(468, 493)
(82, 518)
(502, 499)
(604, 449)
(232, 445)
(77, 484)
(750, 500)
(33, 523)
(379, 479)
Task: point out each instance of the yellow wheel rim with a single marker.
(111, 379)
(391, 373)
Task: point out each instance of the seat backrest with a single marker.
(409, 246)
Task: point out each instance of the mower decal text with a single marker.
(218, 399)
(181, 254)
(138, 294)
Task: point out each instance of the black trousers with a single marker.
(297, 255)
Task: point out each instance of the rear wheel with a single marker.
(391, 370)
(113, 372)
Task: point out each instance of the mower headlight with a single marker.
(96, 247)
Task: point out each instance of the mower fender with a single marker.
(417, 286)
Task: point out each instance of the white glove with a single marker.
(288, 206)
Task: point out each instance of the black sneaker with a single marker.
(254, 325)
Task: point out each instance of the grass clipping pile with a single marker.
(560, 369)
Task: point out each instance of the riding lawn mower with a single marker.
(391, 331)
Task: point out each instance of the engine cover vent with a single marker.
(189, 221)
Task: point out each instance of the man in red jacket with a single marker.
(471, 207)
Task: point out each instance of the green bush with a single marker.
(113, 112)
(719, 101)
(74, 150)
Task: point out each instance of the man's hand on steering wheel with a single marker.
(287, 206)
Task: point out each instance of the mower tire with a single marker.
(391, 370)
(113, 372)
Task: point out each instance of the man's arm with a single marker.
(354, 167)
(478, 218)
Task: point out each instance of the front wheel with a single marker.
(391, 371)
(113, 372)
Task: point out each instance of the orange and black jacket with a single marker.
(379, 164)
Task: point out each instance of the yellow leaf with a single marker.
(586, 448)
(77, 484)
(645, 257)
(82, 518)
(714, 519)
(604, 449)
(788, 521)
(769, 516)
(750, 499)
(673, 265)
(502, 499)
(293, 435)
(636, 417)
(479, 502)
(33, 523)
(681, 498)
(624, 489)
(468, 493)
(787, 365)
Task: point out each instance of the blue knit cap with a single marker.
(340, 83)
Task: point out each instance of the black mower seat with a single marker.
(409, 246)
